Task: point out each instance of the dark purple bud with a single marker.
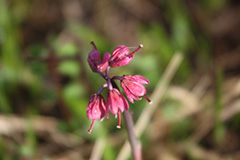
(94, 59)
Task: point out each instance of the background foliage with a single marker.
(46, 83)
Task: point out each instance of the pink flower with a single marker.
(94, 59)
(96, 109)
(120, 56)
(116, 102)
(133, 88)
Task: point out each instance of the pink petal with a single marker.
(120, 62)
(102, 106)
(102, 67)
(96, 108)
(93, 111)
(135, 88)
(119, 52)
(111, 102)
(118, 99)
(126, 105)
(129, 95)
(137, 78)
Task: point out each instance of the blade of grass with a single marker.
(219, 128)
(98, 148)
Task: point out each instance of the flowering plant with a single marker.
(115, 102)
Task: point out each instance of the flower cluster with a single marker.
(115, 102)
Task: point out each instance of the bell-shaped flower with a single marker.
(96, 109)
(94, 60)
(116, 102)
(133, 88)
(120, 56)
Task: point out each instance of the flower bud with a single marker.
(94, 60)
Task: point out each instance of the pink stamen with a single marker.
(140, 46)
(119, 120)
(95, 47)
(147, 99)
(90, 130)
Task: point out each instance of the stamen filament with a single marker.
(91, 127)
(140, 46)
(147, 99)
(119, 120)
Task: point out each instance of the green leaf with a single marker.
(68, 49)
(69, 68)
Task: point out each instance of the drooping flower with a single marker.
(120, 56)
(96, 109)
(94, 60)
(133, 88)
(116, 102)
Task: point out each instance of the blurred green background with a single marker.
(46, 83)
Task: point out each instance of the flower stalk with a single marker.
(134, 143)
